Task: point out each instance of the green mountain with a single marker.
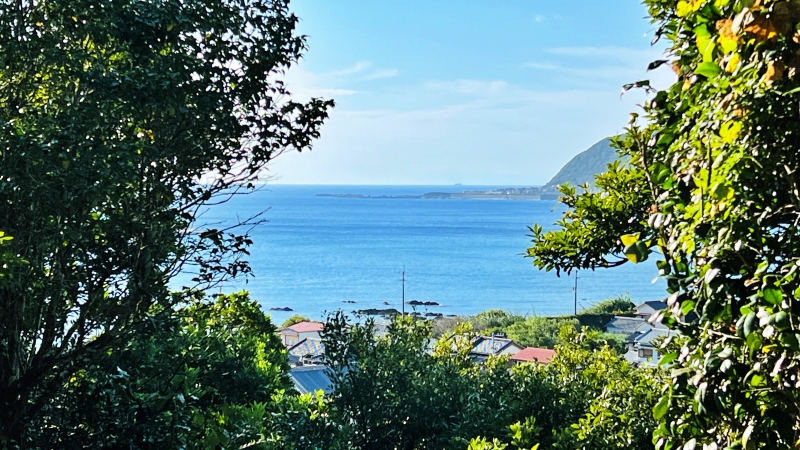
(585, 165)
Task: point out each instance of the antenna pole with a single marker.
(576, 292)
(403, 298)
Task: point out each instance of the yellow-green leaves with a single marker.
(728, 40)
(686, 7)
(636, 251)
(730, 130)
(629, 239)
(705, 43)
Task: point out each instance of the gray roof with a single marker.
(491, 345)
(646, 338)
(658, 305)
(620, 324)
(311, 379)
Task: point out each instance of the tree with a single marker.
(611, 306)
(539, 331)
(200, 375)
(393, 392)
(118, 122)
(295, 318)
(712, 186)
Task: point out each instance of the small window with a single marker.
(645, 352)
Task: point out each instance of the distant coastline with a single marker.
(529, 193)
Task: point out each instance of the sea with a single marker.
(318, 254)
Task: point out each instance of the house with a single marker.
(311, 379)
(293, 334)
(641, 332)
(532, 354)
(640, 322)
(641, 347)
(307, 351)
(484, 346)
(647, 309)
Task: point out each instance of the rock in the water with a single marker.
(378, 312)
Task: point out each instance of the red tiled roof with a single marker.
(542, 355)
(306, 327)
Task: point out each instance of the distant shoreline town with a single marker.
(528, 193)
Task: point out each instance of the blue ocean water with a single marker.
(318, 254)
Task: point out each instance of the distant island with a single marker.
(527, 193)
(579, 170)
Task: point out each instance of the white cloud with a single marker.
(380, 74)
(521, 135)
(436, 129)
(355, 68)
(305, 84)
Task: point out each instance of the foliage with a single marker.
(191, 377)
(613, 306)
(391, 392)
(617, 398)
(597, 316)
(713, 188)
(589, 232)
(520, 434)
(387, 391)
(539, 331)
(118, 122)
(293, 319)
(494, 319)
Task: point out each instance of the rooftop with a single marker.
(646, 338)
(491, 345)
(311, 379)
(534, 354)
(628, 324)
(308, 348)
(657, 305)
(306, 327)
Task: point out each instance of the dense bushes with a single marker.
(392, 393)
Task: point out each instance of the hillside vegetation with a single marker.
(585, 165)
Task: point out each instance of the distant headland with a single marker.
(578, 171)
(527, 193)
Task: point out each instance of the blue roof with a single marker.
(311, 379)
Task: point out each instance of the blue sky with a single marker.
(464, 91)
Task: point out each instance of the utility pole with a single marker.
(403, 302)
(576, 292)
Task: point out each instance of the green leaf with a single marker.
(781, 320)
(708, 69)
(772, 295)
(750, 322)
(790, 341)
(661, 408)
(668, 358)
